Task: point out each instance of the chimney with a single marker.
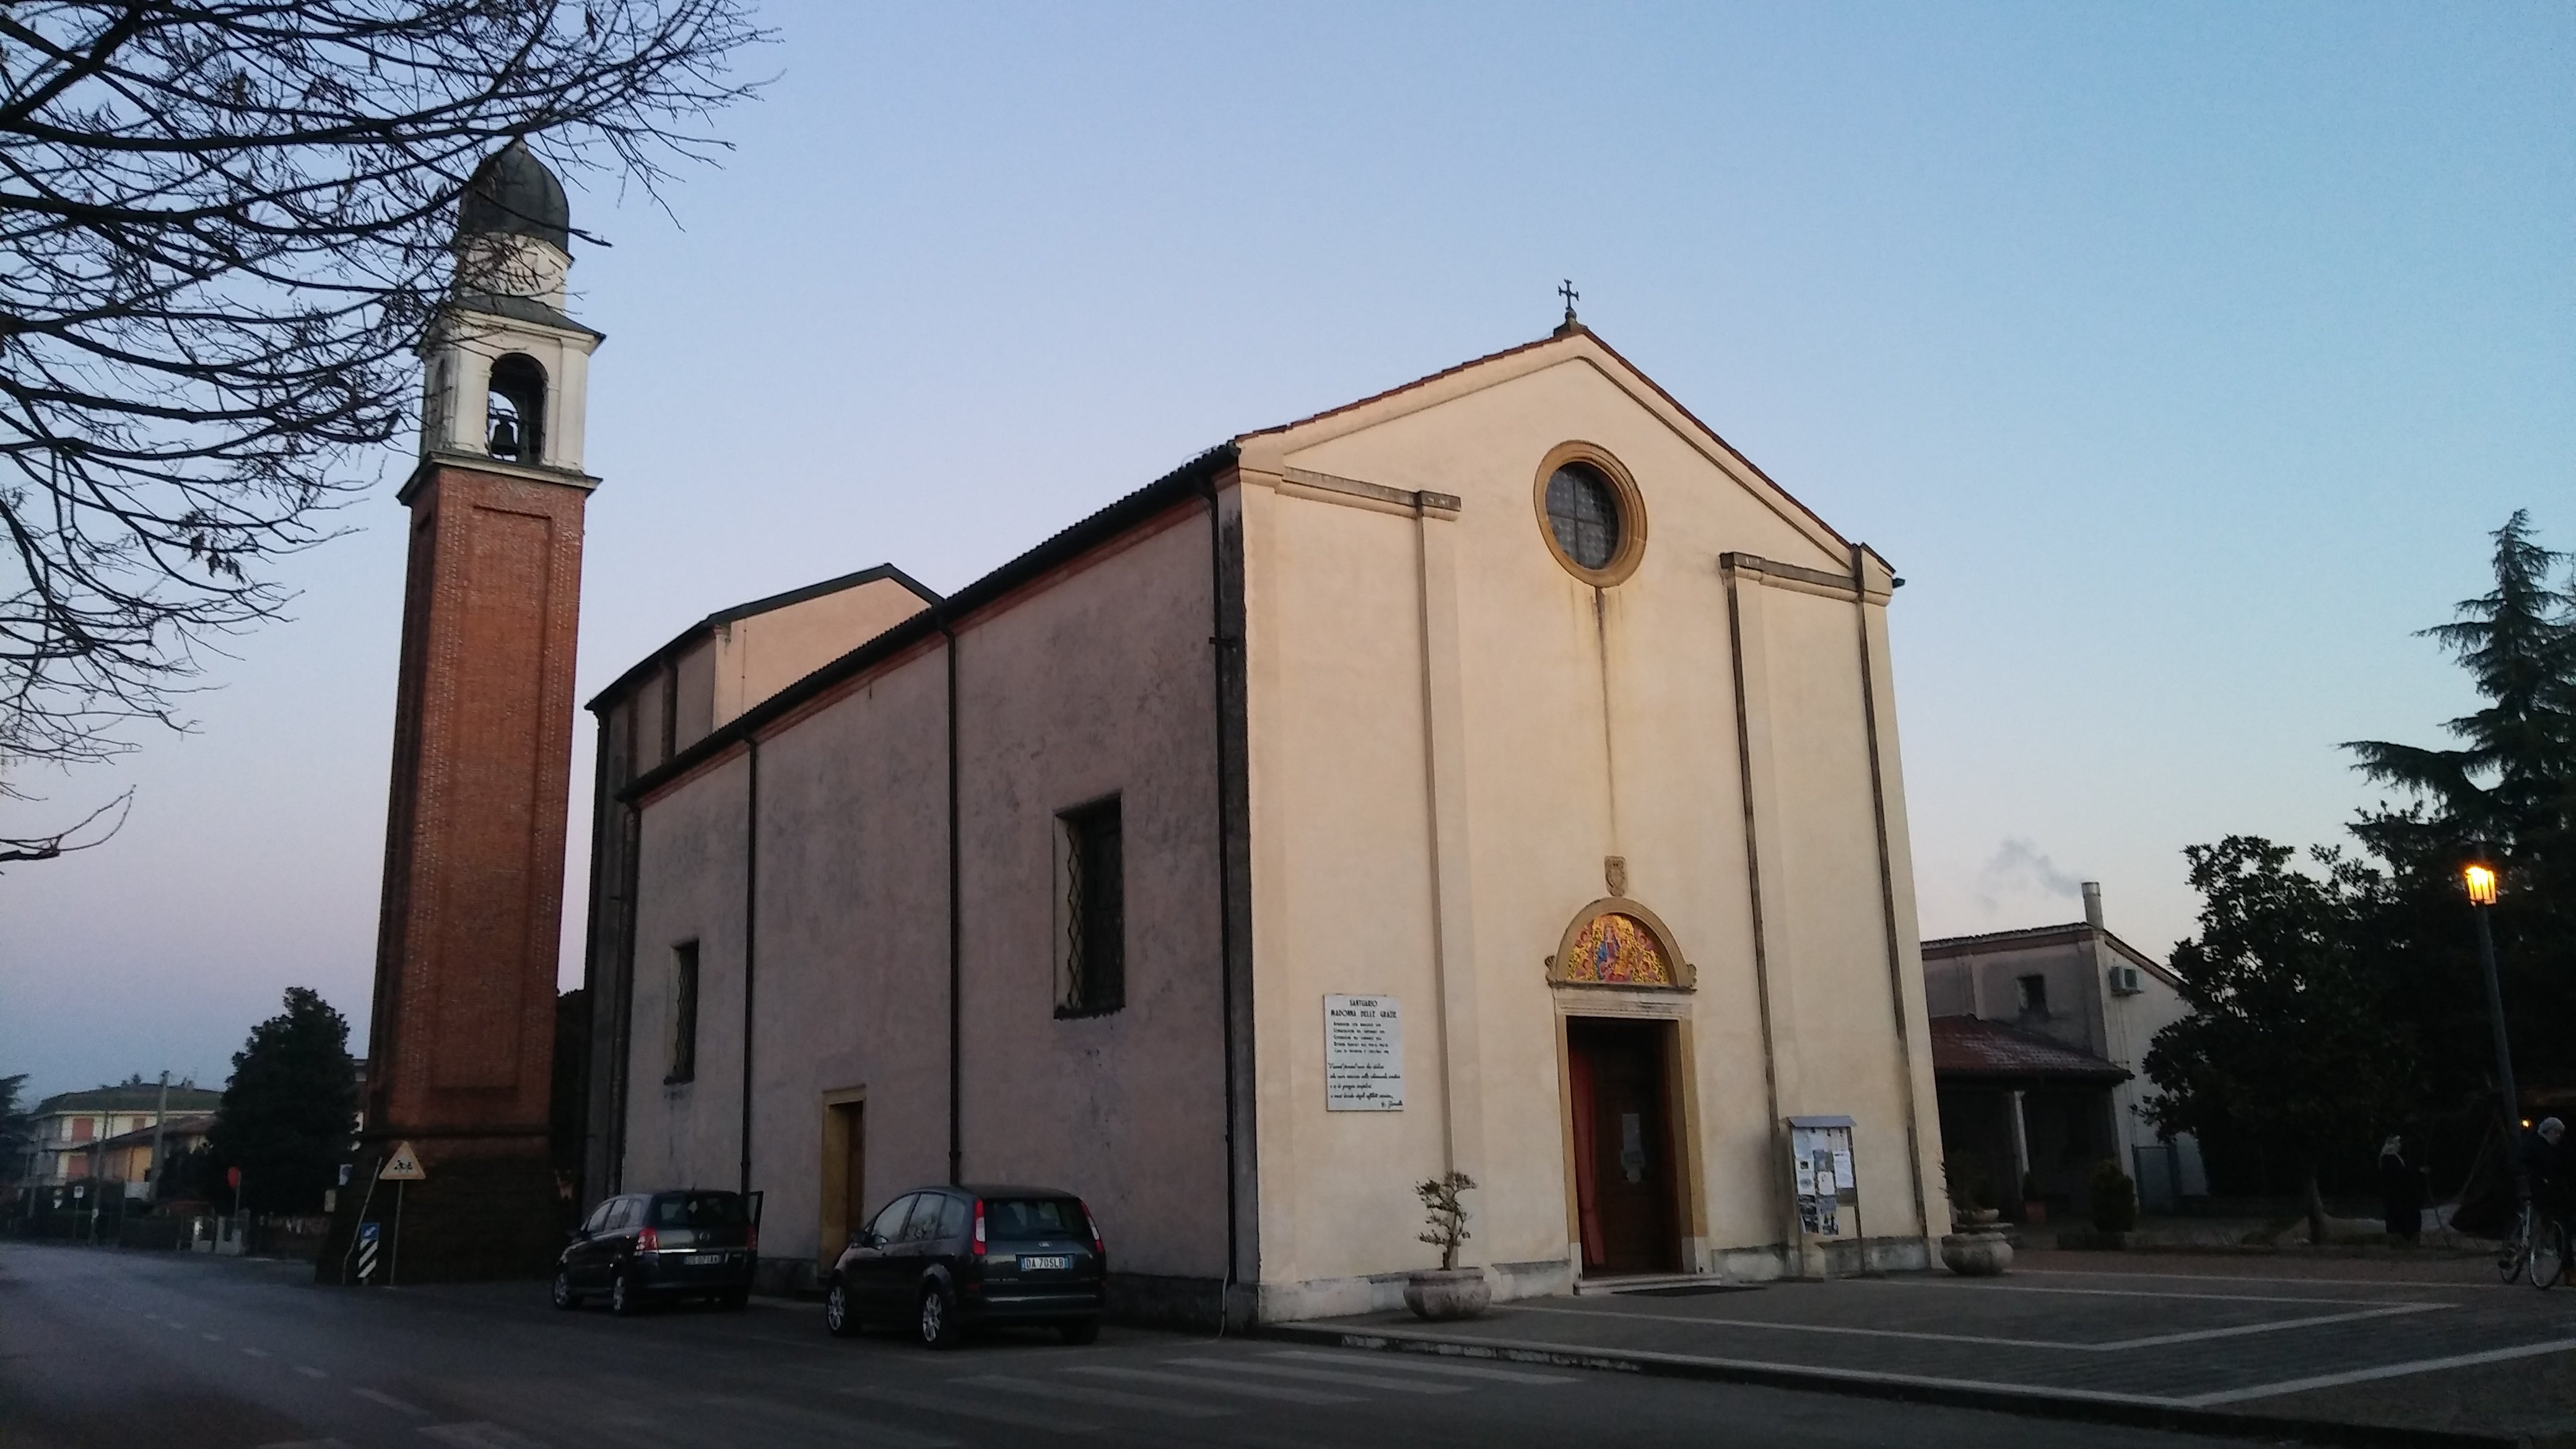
(2093, 904)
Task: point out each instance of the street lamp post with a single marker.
(2480, 880)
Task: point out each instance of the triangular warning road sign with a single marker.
(403, 1166)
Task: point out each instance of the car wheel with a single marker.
(839, 1318)
(623, 1300)
(564, 1296)
(938, 1322)
(1081, 1331)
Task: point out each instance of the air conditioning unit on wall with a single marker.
(2127, 981)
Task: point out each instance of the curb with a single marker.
(2133, 1411)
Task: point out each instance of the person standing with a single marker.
(2401, 1191)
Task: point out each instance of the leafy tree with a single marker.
(288, 1113)
(226, 224)
(17, 1128)
(2508, 788)
(2288, 1043)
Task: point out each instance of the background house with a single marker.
(98, 1133)
(2039, 1040)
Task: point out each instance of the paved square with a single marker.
(2174, 1340)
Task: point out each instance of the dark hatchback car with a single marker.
(947, 1259)
(644, 1247)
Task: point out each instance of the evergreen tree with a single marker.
(2289, 1045)
(288, 1113)
(2508, 790)
(17, 1127)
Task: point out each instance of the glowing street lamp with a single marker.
(2479, 879)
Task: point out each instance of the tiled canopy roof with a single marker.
(1971, 1046)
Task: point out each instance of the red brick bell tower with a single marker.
(461, 1043)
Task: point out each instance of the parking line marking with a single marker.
(967, 1408)
(1992, 1341)
(378, 1396)
(1406, 1363)
(2383, 1371)
(310, 1372)
(1106, 1398)
(1220, 1386)
(2136, 1293)
(1320, 1375)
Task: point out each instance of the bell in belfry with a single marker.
(505, 436)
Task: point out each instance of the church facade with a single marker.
(1497, 775)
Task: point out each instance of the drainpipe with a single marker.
(1224, 876)
(956, 924)
(750, 938)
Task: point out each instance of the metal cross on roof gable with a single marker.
(1566, 290)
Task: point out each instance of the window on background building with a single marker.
(2034, 995)
(1095, 910)
(684, 1013)
(83, 1129)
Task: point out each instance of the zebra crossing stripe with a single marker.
(1105, 1398)
(1416, 1364)
(1217, 1386)
(1320, 1375)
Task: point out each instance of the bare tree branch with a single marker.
(224, 227)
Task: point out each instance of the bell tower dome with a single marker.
(507, 369)
(461, 1044)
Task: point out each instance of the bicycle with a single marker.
(2547, 1256)
(2513, 1254)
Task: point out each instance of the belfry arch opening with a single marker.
(515, 411)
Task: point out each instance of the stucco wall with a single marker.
(1592, 724)
(1098, 683)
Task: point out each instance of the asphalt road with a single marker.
(106, 1348)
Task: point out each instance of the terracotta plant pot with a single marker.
(2034, 1213)
(1441, 1294)
(1977, 1255)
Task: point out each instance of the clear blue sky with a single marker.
(2180, 356)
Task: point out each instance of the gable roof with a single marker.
(1971, 1046)
(681, 641)
(184, 1097)
(1578, 341)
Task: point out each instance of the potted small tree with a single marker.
(1972, 1196)
(1448, 1291)
(1978, 1249)
(2113, 1201)
(2034, 1208)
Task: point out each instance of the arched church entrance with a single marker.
(1623, 1072)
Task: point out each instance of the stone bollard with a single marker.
(1977, 1255)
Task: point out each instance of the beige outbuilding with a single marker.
(1498, 775)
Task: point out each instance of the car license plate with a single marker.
(705, 1260)
(1058, 1261)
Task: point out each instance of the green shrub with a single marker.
(1970, 1190)
(2113, 1198)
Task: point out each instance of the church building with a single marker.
(1495, 775)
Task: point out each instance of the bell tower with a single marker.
(462, 1038)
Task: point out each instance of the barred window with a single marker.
(684, 1013)
(1094, 878)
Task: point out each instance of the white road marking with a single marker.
(1993, 1341)
(378, 1396)
(480, 1434)
(968, 1408)
(2383, 1371)
(306, 1444)
(2136, 1293)
(1413, 1363)
(212, 1337)
(2246, 1278)
(1320, 1375)
(256, 1352)
(1209, 1385)
(310, 1372)
(1106, 1398)
(867, 1431)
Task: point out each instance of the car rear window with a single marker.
(1027, 1219)
(698, 1210)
